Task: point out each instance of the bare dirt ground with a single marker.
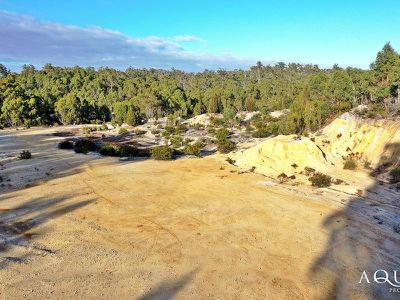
(80, 226)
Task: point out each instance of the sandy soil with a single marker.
(79, 226)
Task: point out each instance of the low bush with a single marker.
(180, 128)
(367, 165)
(127, 151)
(118, 150)
(338, 181)
(108, 150)
(84, 146)
(217, 121)
(309, 171)
(222, 134)
(231, 161)
(350, 164)
(87, 130)
(320, 180)
(25, 154)
(395, 175)
(283, 178)
(261, 133)
(176, 141)
(225, 146)
(123, 131)
(104, 127)
(193, 149)
(162, 153)
(65, 145)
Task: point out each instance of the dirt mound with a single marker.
(372, 142)
(282, 154)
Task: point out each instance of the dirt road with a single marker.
(79, 226)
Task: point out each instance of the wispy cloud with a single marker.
(187, 38)
(25, 39)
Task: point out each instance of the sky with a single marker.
(195, 35)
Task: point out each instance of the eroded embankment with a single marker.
(374, 144)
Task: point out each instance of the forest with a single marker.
(73, 95)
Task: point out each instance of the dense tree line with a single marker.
(84, 95)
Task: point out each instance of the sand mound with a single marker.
(282, 154)
(373, 141)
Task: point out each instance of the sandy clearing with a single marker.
(186, 229)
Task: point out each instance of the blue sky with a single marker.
(194, 35)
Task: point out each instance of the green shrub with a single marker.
(108, 150)
(261, 133)
(162, 153)
(320, 180)
(104, 127)
(118, 150)
(65, 145)
(84, 146)
(222, 134)
(180, 128)
(86, 130)
(217, 121)
(25, 154)
(127, 151)
(308, 171)
(350, 164)
(225, 146)
(395, 175)
(367, 164)
(176, 141)
(193, 149)
(123, 131)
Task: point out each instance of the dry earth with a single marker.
(79, 226)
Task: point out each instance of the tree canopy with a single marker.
(81, 95)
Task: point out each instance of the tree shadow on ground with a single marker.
(167, 290)
(18, 225)
(362, 238)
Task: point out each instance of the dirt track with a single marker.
(191, 229)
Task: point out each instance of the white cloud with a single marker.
(187, 38)
(25, 39)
